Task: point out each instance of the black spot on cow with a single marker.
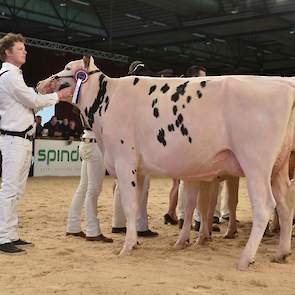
(154, 102)
(175, 97)
(180, 118)
(132, 148)
(188, 99)
(165, 88)
(133, 183)
(181, 88)
(183, 106)
(97, 104)
(177, 123)
(135, 81)
(171, 128)
(106, 107)
(199, 93)
(133, 172)
(122, 141)
(189, 139)
(152, 89)
(203, 84)
(161, 137)
(183, 130)
(174, 109)
(156, 112)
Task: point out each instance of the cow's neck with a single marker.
(95, 97)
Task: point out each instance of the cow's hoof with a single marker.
(280, 258)
(181, 245)
(244, 264)
(230, 235)
(203, 240)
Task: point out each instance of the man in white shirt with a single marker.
(17, 105)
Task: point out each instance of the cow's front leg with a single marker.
(190, 194)
(232, 184)
(130, 188)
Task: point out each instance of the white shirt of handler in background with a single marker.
(17, 103)
(92, 175)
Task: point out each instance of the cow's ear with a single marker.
(86, 61)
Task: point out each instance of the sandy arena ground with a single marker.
(62, 265)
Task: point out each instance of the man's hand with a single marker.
(65, 94)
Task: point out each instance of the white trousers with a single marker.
(119, 219)
(92, 175)
(218, 209)
(16, 162)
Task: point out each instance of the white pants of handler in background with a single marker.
(92, 175)
(119, 220)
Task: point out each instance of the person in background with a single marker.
(73, 132)
(65, 129)
(92, 175)
(18, 102)
(39, 127)
(53, 127)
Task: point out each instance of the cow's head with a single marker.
(73, 71)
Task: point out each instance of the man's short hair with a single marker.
(8, 41)
(191, 71)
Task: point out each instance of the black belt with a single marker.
(16, 133)
(88, 140)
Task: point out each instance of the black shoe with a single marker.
(197, 225)
(169, 219)
(22, 244)
(100, 238)
(11, 249)
(118, 230)
(147, 233)
(78, 234)
(180, 223)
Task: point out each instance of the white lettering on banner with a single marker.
(56, 158)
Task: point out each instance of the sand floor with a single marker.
(68, 265)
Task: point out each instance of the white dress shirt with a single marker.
(17, 100)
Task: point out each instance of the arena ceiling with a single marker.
(226, 36)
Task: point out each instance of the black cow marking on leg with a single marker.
(199, 93)
(188, 99)
(183, 130)
(189, 139)
(156, 112)
(171, 128)
(161, 137)
(135, 81)
(133, 183)
(165, 88)
(122, 141)
(174, 109)
(155, 101)
(152, 89)
(133, 172)
(203, 84)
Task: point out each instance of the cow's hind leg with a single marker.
(190, 194)
(232, 184)
(262, 202)
(284, 205)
